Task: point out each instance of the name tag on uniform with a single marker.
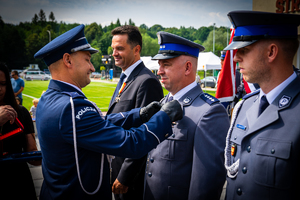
(241, 126)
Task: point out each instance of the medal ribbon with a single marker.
(122, 88)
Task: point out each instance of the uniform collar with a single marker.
(271, 96)
(64, 86)
(183, 91)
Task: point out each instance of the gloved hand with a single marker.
(148, 111)
(173, 110)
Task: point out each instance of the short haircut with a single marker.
(134, 35)
(35, 101)
(16, 72)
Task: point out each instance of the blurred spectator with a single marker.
(17, 84)
(33, 108)
(18, 100)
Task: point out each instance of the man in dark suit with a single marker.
(137, 87)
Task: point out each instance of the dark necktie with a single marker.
(263, 104)
(170, 98)
(122, 77)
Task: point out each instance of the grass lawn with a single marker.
(98, 92)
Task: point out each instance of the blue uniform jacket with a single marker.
(267, 147)
(189, 165)
(94, 136)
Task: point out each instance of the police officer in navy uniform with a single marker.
(190, 163)
(75, 138)
(262, 154)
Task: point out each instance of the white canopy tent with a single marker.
(208, 61)
(150, 64)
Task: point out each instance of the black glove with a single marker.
(148, 111)
(173, 110)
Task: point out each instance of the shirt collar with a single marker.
(184, 90)
(271, 96)
(128, 71)
(74, 86)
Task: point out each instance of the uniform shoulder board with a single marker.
(209, 99)
(73, 94)
(251, 94)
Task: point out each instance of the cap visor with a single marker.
(91, 50)
(164, 56)
(239, 44)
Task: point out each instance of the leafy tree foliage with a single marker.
(22, 41)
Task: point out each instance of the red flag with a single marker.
(226, 88)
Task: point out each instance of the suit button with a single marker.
(239, 191)
(272, 151)
(249, 149)
(244, 170)
(152, 160)
(149, 174)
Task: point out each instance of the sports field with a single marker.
(98, 92)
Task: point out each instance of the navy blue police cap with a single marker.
(172, 46)
(223, 54)
(251, 26)
(71, 41)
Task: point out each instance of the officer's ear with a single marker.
(188, 67)
(67, 59)
(272, 52)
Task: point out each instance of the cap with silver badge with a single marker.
(71, 41)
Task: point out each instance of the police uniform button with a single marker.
(167, 135)
(152, 160)
(249, 149)
(272, 151)
(235, 138)
(149, 174)
(239, 191)
(244, 170)
(173, 135)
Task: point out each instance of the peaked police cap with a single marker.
(71, 41)
(251, 26)
(172, 46)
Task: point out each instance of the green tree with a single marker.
(42, 17)
(51, 17)
(130, 22)
(220, 41)
(109, 50)
(96, 60)
(150, 46)
(91, 32)
(35, 19)
(118, 23)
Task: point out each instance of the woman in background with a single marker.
(15, 177)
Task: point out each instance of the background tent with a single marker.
(208, 61)
(150, 64)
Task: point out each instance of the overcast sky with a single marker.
(168, 13)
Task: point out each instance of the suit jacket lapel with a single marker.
(133, 75)
(129, 80)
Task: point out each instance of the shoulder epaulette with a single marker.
(73, 94)
(209, 99)
(251, 94)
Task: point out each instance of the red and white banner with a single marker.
(226, 88)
